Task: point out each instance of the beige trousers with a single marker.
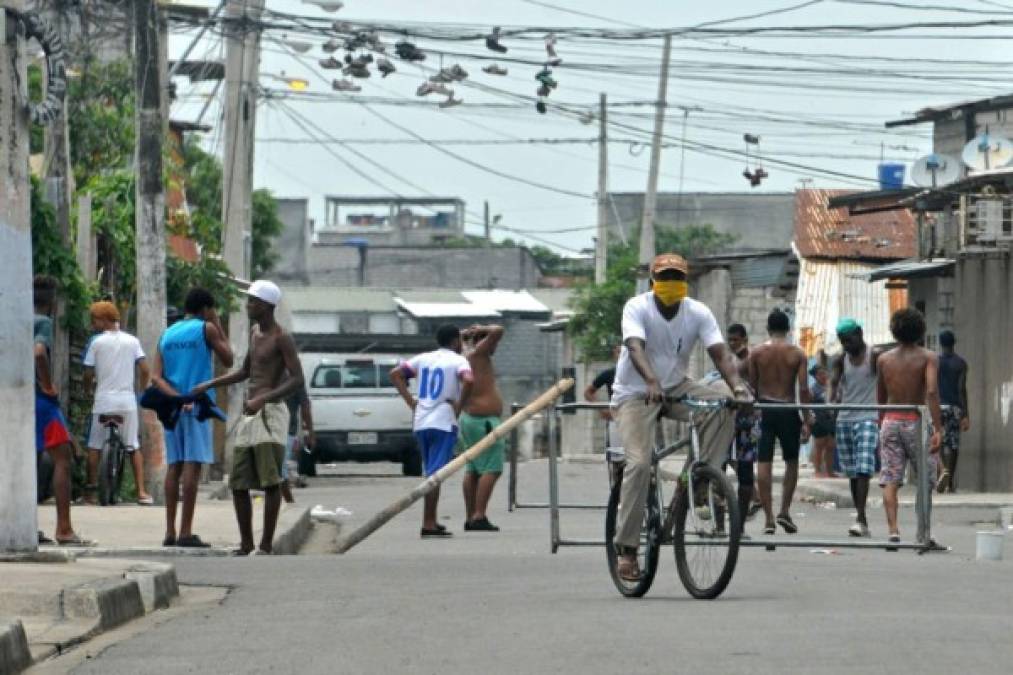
(638, 422)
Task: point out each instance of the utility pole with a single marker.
(242, 63)
(682, 159)
(647, 247)
(601, 244)
(149, 215)
(18, 521)
(488, 225)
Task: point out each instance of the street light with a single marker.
(293, 83)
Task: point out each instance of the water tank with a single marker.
(891, 176)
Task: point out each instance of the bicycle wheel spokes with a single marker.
(647, 552)
(707, 530)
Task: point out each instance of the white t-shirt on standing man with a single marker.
(438, 375)
(113, 355)
(669, 343)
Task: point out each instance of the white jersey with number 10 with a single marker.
(438, 375)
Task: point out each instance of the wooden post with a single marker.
(432, 482)
(18, 521)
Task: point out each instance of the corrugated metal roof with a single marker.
(829, 290)
(822, 232)
(438, 310)
(759, 272)
(556, 299)
(911, 269)
(506, 301)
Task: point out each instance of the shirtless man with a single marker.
(481, 415)
(908, 375)
(261, 432)
(776, 368)
(747, 429)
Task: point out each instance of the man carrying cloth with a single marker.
(908, 375)
(272, 367)
(660, 330)
(480, 417)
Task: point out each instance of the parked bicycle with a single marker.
(705, 530)
(111, 461)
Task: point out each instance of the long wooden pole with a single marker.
(432, 482)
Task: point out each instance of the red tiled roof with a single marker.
(183, 248)
(821, 232)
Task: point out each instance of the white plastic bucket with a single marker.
(990, 545)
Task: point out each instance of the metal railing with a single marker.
(923, 499)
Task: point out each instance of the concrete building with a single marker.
(293, 244)
(759, 220)
(392, 221)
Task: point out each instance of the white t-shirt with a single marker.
(669, 343)
(439, 375)
(113, 355)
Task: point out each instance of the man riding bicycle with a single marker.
(660, 330)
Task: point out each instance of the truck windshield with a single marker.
(351, 376)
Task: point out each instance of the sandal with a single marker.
(169, 541)
(769, 529)
(77, 541)
(785, 521)
(145, 501)
(435, 533)
(191, 541)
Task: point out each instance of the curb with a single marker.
(113, 602)
(156, 582)
(15, 654)
(821, 493)
(295, 534)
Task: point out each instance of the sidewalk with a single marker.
(130, 529)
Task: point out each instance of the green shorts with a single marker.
(256, 467)
(474, 429)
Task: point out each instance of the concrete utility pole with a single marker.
(601, 244)
(242, 64)
(647, 247)
(488, 225)
(18, 522)
(150, 214)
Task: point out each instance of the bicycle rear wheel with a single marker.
(707, 533)
(110, 472)
(650, 542)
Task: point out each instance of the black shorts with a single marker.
(824, 427)
(784, 426)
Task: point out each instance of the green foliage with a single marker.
(265, 226)
(51, 256)
(113, 202)
(596, 325)
(209, 272)
(37, 142)
(100, 108)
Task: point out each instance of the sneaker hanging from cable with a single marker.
(330, 63)
(384, 65)
(492, 42)
(550, 50)
(545, 77)
(408, 52)
(331, 45)
(327, 5)
(345, 85)
(494, 69)
(451, 101)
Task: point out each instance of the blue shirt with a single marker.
(186, 356)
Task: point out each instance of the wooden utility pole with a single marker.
(601, 244)
(488, 225)
(647, 247)
(18, 522)
(242, 63)
(150, 214)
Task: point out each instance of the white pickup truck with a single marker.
(357, 413)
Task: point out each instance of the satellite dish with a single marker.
(935, 170)
(985, 152)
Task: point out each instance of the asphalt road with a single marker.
(500, 603)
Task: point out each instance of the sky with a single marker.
(814, 100)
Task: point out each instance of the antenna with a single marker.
(935, 170)
(985, 152)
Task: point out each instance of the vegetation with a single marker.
(595, 326)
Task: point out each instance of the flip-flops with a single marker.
(169, 541)
(77, 541)
(43, 539)
(481, 525)
(145, 501)
(435, 533)
(785, 521)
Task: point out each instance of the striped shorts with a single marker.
(857, 444)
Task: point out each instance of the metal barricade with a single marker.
(923, 499)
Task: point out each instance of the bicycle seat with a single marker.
(111, 420)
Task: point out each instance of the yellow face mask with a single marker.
(671, 292)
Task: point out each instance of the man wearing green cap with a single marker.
(854, 383)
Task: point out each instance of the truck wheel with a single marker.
(411, 465)
(307, 462)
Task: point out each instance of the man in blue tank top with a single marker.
(183, 361)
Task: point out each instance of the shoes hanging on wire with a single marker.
(330, 63)
(384, 65)
(451, 101)
(407, 51)
(550, 50)
(492, 42)
(494, 69)
(345, 85)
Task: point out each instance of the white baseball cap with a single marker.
(265, 290)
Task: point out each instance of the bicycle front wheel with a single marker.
(650, 542)
(707, 533)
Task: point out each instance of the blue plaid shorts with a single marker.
(857, 444)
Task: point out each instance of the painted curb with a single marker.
(295, 534)
(15, 655)
(157, 583)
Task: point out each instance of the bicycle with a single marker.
(111, 461)
(705, 537)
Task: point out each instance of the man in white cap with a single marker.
(272, 367)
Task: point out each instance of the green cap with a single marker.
(847, 325)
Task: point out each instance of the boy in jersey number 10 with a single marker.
(444, 384)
